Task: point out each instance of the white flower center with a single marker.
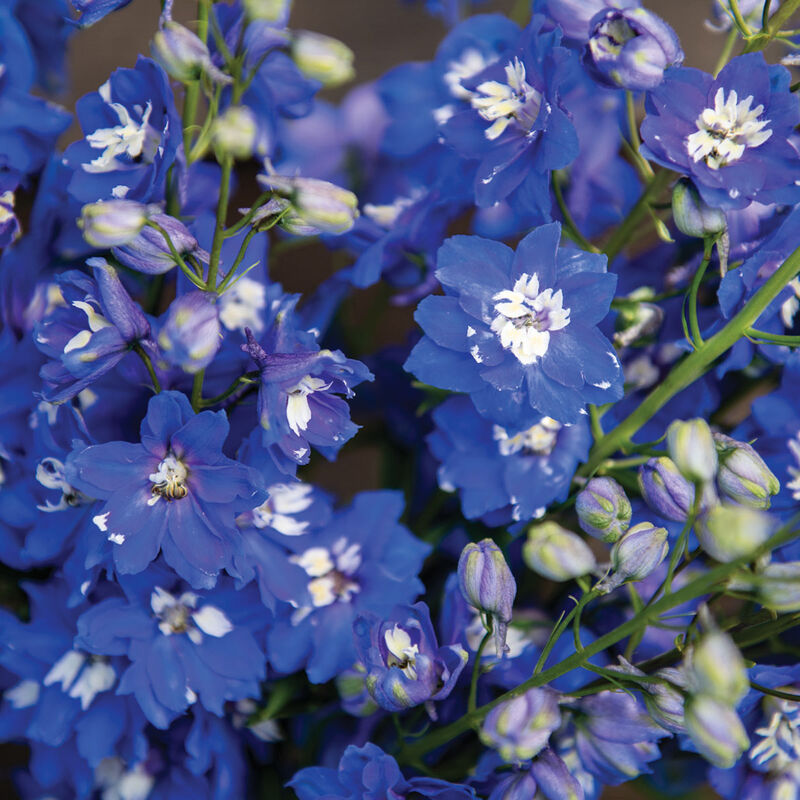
(525, 317)
(242, 306)
(284, 501)
(298, 411)
(471, 63)
(794, 484)
(117, 782)
(94, 320)
(779, 741)
(181, 615)
(402, 653)
(81, 676)
(502, 103)
(331, 571)
(129, 138)
(539, 439)
(169, 481)
(727, 130)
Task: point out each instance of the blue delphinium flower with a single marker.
(574, 16)
(91, 11)
(183, 647)
(405, 665)
(175, 492)
(90, 332)
(363, 560)
(516, 126)
(730, 134)
(369, 773)
(132, 132)
(517, 331)
(504, 475)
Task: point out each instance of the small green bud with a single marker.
(691, 447)
(556, 553)
(692, 215)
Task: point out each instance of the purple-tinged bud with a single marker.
(488, 585)
(520, 728)
(716, 730)
(236, 133)
(268, 10)
(664, 702)
(636, 555)
(148, 251)
(111, 223)
(604, 510)
(322, 58)
(352, 687)
(743, 476)
(320, 204)
(692, 215)
(190, 335)
(668, 493)
(556, 553)
(715, 667)
(729, 532)
(779, 586)
(125, 314)
(630, 48)
(184, 55)
(691, 447)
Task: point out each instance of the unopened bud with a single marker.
(743, 476)
(692, 450)
(235, 133)
(716, 730)
(183, 55)
(668, 493)
(715, 667)
(190, 337)
(111, 223)
(604, 510)
(729, 532)
(149, 252)
(268, 10)
(779, 586)
(488, 585)
(322, 58)
(692, 215)
(636, 555)
(556, 553)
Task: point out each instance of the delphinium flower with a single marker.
(175, 492)
(730, 134)
(517, 330)
(504, 474)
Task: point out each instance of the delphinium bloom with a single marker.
(730, 134)
(501, 474)
(175, 492)
(517, 330)
(404, 663)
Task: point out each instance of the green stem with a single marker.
(677, 551)
(245, 220)
(765, 15)
(193, 89)
(741, 24)
(694, 325)
(727, 49)
(773, 338)
(219, 229)
(623, 234)
(775, 692)
(248, 377)
(773, 29)
(185, 268)
(476, 669)
(642, 165)
(139, 350)
(596, 424)
(694, 365)
(569, 223)
(197, 390)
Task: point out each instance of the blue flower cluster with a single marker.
(552, 272)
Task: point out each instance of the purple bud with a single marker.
(110, 223)
(604, 510)
(692, 215)
(716, 730)
(487, 584)
(779, 588)
(183, 55)
(636, 554)
(715, 667)
(691, 447)
(190, 335)
(630, 48)
(121, 310)
(556, 553)
(743, 476)
(729, 532)
(148, 251)
(520, 728)
(668, 493)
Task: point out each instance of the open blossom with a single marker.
(517, 330)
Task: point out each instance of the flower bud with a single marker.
(183, 55)
(235, 133)
(630, 48)
(110, 223)
(604, 510)
(268, 10)
(743, 476)
(352, 687)
(691, 447)
(716, 730)
(779, 587)
(664, 702)
(729, 532)
(520, 728)
(148, 251)
(636, 555)
(715, 667)
(488, 585)
(692, 215)
(322, 205)
(668, 493)
(190, 337)
(556, 553)
(322, 58)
